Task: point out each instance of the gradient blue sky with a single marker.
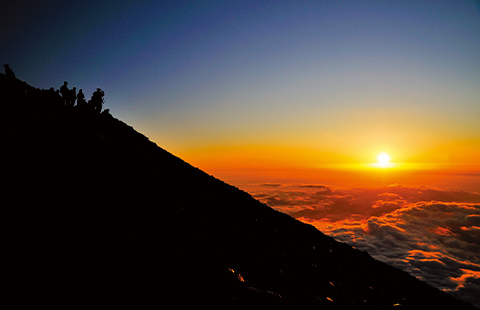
(307, 81)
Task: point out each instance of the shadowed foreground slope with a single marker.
(96, 214)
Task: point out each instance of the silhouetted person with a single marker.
(97, 100)
(81, 99)
(54, 97)
(72, 96)
(59, 99)
(65, 92)
(9, 72)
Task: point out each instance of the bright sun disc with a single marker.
(383, 158)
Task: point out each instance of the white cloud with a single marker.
(430, 233)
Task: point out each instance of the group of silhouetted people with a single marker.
(67, 97)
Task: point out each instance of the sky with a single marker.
(267, 84)
(298, 94)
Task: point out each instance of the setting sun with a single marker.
(383, 161)
(383, 158)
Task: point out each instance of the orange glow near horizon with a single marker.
(350, 162)
(235, 164)
(258, 156)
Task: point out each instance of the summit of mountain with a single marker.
(95, 214)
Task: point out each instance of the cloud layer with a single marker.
(433, 234)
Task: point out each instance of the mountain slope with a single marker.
(96, 214)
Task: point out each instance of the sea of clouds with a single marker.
(431, 233)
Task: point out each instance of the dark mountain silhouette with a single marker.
(95, 214)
